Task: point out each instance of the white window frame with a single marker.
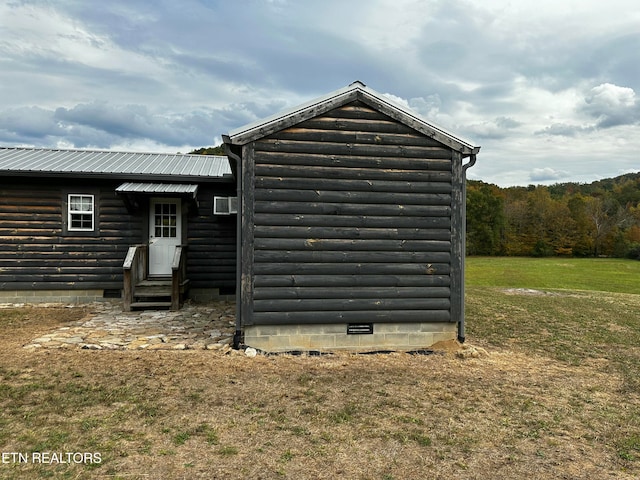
(230, 207)
(71, 212)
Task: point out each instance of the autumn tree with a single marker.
(217, 150)
(485, 219)
(602, 218)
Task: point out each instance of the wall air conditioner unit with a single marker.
(233, 204)
(225, 205)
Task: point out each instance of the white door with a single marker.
(165, 233)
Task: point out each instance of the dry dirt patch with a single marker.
(193, 414)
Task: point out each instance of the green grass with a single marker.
(585, 310)
(582, 308)
(595, 274)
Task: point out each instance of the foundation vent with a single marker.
(360, 329)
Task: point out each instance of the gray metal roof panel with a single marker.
(27, 160)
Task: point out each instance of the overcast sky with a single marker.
(547, 88)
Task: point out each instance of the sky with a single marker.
(548, 89)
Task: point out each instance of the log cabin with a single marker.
(352, 227)
(338, 225)
(78, 225)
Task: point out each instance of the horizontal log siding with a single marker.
(36, 254)
(351, 222)
(211, 257)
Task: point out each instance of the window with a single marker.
(81, 213)
(225, 205)
(165, 220)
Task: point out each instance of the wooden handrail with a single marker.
(134, 271)
(178, 274)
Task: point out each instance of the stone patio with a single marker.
(195, 326)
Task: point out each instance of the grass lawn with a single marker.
(600, 274)
(570, 309)
(575, 311)
(557, 396)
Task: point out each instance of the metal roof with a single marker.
(174, 188)
(356, 91)
(112, 164)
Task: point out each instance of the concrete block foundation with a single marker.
(51, 296)
(334, 337)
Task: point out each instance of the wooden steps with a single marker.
(142, 291)
(154, 293)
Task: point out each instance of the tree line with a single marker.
(571, 219)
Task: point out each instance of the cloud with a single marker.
(102, 124)
(565, 130)
(429, 106)
(131, 121)
(601, 107)
(496, 129)
(28, 124)
(546, 174)
(612, 105)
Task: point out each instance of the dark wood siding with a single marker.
(211, 260)
(37, 253)
(350, 220)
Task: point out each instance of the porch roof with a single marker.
(158, 188)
